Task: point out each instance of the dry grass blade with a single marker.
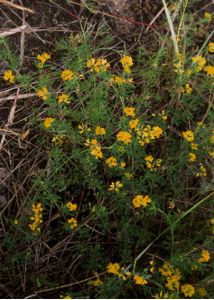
(17, 6)
(171, 27)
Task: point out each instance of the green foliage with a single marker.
(152, 161)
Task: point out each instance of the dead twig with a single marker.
(13, 31)
(10, 119)
(17, 6)
(21, 96)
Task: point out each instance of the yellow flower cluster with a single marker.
(199, 62)
(114, 268)
(149, 133)
(120, 80)
(71, 206)
(48, 122)
(172, 276)
(192, 157)
(67, 75)
(188, 290)
(100, 130)
(42, 58)
(140, 280)
(211, 47)
(115, 186)
(72, 222)
(111, 161)
(188, 135)
(124, 136)
(129, 111)
(205, 256)
(127, 63)
(202, 172)
(187, 89)
(141, 200)
(151, 163)
(37, 217)
(63, 98)
(42, 93)
(97, 64)
(95, 148)
(8, 76)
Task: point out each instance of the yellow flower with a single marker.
(37, 217)
(163, 115)
(42, 93)
(188, 135)
(156, 132)
(192, 157)
(126, 62)
(166, 270)
(43, 58)
(205, 256)
(199, 62)
(208, 16)
(211, 47)
(63, 98)
(122, 164)
(129, 111)
(211, 154)
(128, 175)
(8, 76)
(67, 75)
(133, 123)
(202, 172)
(124, 136)
(115, 186)
(96, 282)
(113, 268)
(194, 267)
(140, 200)
(140, 280)
(67, 297)
(48, 122)
(120, 80)
(72, 223)
(187, 89)
(202, 292)
(209, 70)
(151, 163)
(71, 206)
(98, 65)
(111, 161)
(16, 222)
(188, 290)
(58, 139)
(194, 146)
(162, 295)
(173, 282)
(100, 130)
(96, 151)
